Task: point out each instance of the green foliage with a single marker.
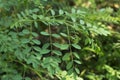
(41, 39)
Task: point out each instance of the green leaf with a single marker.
(33, 59)
(69, 65)
(36, 24)
(23, 14)
(24, 41)
(25, 31)
(44, 51)
(66, 57)
(76, 55)
(19, 55)
(61, 12)
(73, 10)
(89, 49)
(27, 50)
(89, 25)
(73, 18)
(103, 31)
(57, 52)
(46, 45)
(36, 42)
(44, 33)
(35, 10)
(17, 77)
(63, 34)
(19, 16)
(77, 70)
(76, 46)
(41, 17)
(37, 48)
(47, 19)
(35, 34)
(38, 56)
(61, 46)
(52, 12)
(77, 61)
(27, 78)
(82, 22)
(64, 46)
(55, 35)
(34, 16)
(70, 71)
(51, 70)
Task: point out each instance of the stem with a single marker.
(30, 69)
(68, 32)
(50, 38)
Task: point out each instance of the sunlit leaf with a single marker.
(77, 61)
(76, 55)
(66, 57)
(76, 46)
(61, 12)
(63, 34)
(61, 46)
(55, 35)
(77, 70)
(45, 33)
(52, 12)
(57, 52)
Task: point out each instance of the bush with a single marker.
(44, 40)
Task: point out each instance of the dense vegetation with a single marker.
(59, 40)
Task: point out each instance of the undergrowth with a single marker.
(41, 41)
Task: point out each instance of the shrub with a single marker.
(42, 41)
